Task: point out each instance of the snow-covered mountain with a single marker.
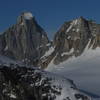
(77, 54)
(84, 70)
(73, 39)
(25, 41)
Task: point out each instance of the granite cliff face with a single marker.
(72, 39)
(25, 41)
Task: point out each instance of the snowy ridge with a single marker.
(67, 53)
(49, 52)
(64, 86)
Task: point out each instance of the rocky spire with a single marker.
(73, 38)
(25, 16)
(26, 40)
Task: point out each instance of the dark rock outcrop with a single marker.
(24, 83)
(25, 41)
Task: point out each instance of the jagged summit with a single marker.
(76, 23)
(81, 18)
(25, 41)
(27, 15)
(72, 39)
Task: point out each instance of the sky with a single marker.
(50, 14)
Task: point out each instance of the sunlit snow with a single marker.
(28, 15)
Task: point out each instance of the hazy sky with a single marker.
(50, 14)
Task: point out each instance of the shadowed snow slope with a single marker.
(84, 70)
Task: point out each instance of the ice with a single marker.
(74, 23)
(78, 30)
(68, 37)
(12, 96)
(6, 48)
(69, 28)
(51, 49)
(68, 53)
(28, 15)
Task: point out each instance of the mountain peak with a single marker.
(78, 20)
(73, 38)
(76, 23)
(27, 15)
(25, 41)
(81, 17)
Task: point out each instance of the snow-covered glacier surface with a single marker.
(84, 70)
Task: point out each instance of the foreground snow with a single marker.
(25, 83)
(28, 15)
(84, 70)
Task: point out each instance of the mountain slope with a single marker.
(72, 40)
(77, 53)
(84, 70)
(24, 83)
(25, 41)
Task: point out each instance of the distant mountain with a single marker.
(72, 39)
(25, 41)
